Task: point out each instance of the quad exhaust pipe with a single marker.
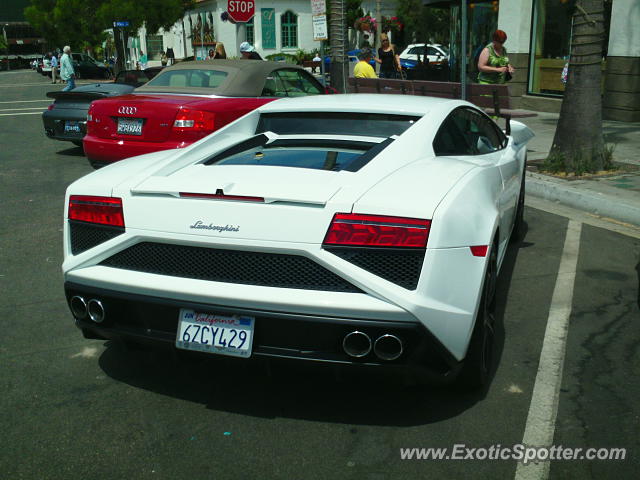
(386, 347)
(81, 309)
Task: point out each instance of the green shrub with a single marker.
(580, 162)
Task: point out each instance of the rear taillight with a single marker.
(51, 107)
(194, 120)
(479, 250)
(91, 123)
(92, 209)
(352, 229)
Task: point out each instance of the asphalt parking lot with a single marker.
(76, 408)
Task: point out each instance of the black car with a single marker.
(137, 77)
(86, 66)
(66, 118)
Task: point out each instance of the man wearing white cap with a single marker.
(248, 52)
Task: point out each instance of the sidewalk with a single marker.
(616, 197)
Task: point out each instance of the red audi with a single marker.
(185, 103)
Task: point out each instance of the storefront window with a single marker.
(482, 21)
(154, 47)
(550, 45)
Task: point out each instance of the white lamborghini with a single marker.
(352, 229)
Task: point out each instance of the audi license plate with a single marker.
(71, 126)
(214, 333)
(129, 126)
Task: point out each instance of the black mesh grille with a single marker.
(87, 235)
(401, 267)
(230, 266)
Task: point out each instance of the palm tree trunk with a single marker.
(578, 136)
(339, 66)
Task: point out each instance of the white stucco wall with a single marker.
(229, 33)
(624, 37)
(514, 17)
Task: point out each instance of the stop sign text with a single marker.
(241, 10)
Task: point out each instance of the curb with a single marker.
(606, 204)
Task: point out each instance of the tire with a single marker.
(478, 364)
(519, 225)
(95, 165)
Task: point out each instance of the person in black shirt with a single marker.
(171, 56)
(388, 60)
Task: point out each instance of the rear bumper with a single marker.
(54, 125)
(105, 151)
(154, 321)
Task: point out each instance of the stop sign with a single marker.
(241, 10)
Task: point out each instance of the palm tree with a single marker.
(578, 142)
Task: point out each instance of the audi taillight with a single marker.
(189, 120)
(91, 120)
(93, 209)
(353, 229)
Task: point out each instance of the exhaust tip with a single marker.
(388, 347)
(356, 344)
(78, 307)
(95, 309)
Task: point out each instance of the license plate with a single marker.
(129, 126)
(71, 127)
(215, 333)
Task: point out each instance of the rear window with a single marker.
(314, 158)
(315, 154)
(357, 124)
(189, 78)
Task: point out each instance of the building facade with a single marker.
(23, 41)
(280, 26)
(539, 45)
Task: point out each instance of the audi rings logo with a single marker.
(127, 110)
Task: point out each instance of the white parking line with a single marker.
(14, 85)
(29, 108)
(16, 113)
(541, 421)
(29, 101)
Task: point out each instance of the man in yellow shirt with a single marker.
(363, 69)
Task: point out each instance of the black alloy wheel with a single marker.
(478, 364)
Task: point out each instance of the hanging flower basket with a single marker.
(391, 24)
(366, 24)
